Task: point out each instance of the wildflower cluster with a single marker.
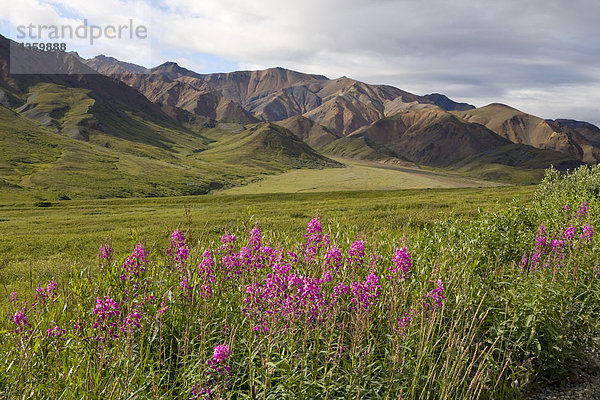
(107, 313)
(135, 264)
(550, 251)
(305, 293)
(178, 251)
(104, 255)
(402, 264)
(56, 332)
(277, 291)
(315, 239)
(46, 293)
(436, 295)
(20, 319)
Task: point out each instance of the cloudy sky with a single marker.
(541, 56)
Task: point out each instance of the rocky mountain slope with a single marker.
(345, 107)
(578, 140)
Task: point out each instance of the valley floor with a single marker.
(357, 175)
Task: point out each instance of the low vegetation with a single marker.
(471, 305)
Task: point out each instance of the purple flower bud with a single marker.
(221, 353)
(588, 233)
(582, 210)
(570, 233)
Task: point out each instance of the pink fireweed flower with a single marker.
(221, 353)
(523, 262)
(570, 233)
(255, 238)
(107, 313)
(178, 251)
(557, 245)
(282, 268)
(231, 265)
(131, 321)
(357, 252)
(313, 227)
(255, 257)
(366, 293)
(582, 210)
(104, 255)
(283, 298)
(314, 239)
(540, 240)
(588, 233)
(177, 238)
(292, 257)
(326, 240)
(13, 297)
(333, 258)
(338, 291)
(135, 263)
(402, 264)
(326, 277)
(206, 291)
(270, 256)
(105, 308)
(205, 269)
(44, 293)
(437, 295)
(404, 322)
(55, 332)
(227, 241)
(535, 259)
(21, 320)
(184, 284)
(566, 210)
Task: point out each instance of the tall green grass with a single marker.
(478, 307)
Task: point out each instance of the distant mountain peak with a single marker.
(168, 65)
(107, 65)
(444, 102)
(499, 105)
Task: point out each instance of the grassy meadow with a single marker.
(416, 294)
(357, 175)
(50, 241)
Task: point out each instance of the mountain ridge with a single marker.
(169, 130)
(345, 106)
(275, 94)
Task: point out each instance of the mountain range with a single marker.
(168, 130)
